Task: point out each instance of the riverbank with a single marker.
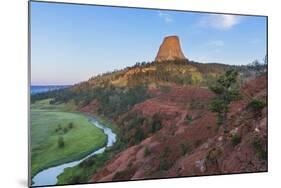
(49, 176)
(108, 123)
(82, 172)
(59, 137)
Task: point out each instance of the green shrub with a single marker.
(120, 145)
(65, 130)
(188, 118)
(147, 152)
(58, 129)
(259, 147)
(135, 122)
(257, 105)
(156, 124)
(235, 139)
(139, 135)
(70, 125)
(164, 164)
(61, 142)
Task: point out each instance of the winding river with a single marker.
(49, 176)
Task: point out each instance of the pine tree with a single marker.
(226, 90)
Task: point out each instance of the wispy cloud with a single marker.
(220, 21)
(166, 17)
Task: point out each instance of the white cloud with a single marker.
(220, 21)
(167, 18)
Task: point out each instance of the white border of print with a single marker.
(14, 92)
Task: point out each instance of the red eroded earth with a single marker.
(189, 142)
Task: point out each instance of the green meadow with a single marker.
(59, 135)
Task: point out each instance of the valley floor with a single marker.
(59, 135)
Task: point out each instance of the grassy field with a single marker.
(58, 136)
(45, 105)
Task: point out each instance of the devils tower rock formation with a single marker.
(170, 49)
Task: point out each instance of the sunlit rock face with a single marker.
(170, 49)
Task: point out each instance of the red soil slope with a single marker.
(189, 142)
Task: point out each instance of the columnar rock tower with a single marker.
(170, 49)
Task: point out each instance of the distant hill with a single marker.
(181, 72)
(149, 75)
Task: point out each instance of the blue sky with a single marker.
(71, 43)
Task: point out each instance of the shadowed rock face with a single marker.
(170, 49)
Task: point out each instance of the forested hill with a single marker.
(180, 72)
(117, 91)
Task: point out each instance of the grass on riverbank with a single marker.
(86, 169)
(49, 124)
(83, 171)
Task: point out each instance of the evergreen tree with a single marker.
(226, 90)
